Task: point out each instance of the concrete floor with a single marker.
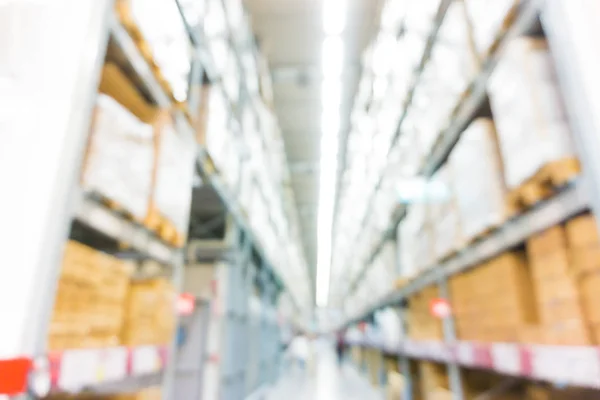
(323, 380)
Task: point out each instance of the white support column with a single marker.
(572, 30)
(52, 52)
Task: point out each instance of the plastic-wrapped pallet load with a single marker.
(120, 158)
(478, 181)
(215, 134)
(163, 39)
(90, 300)
(408, 238)
(530, 119)
(453, 55)
(445, 217)
(173, 181)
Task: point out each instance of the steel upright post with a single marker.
(450, 337)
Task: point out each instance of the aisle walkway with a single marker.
(325, 382)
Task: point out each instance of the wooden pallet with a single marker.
(543, 184)
(163, 228)
(115, 206)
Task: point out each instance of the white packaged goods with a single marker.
(408, 237)
(420, 16)
(528, 111)
(174, 176)
(453, 56)
(120, 157)
(393, 14)
(480, 192)
(488, 18)
(215, 22)
(445, 217)
(389, 322)
(161, 25)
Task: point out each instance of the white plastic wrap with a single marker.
(477, 179)
(120, 157)
(453, 56)
(409, 231)
(215, 22)
(174, 176)
(487, 18)
(389, 323)
(393, 14)
(420, 16)
(528, 110)
(162, 26)
(445, 217)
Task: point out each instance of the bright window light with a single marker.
(334, 16)
(332, 56)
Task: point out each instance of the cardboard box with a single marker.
(585, 259)
(561, 310)
(582, 231)
(549, 241)
(556, 289)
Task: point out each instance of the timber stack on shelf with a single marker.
(131, 123)
(511, 248)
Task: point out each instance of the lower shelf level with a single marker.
(102, 370)
(563, 365)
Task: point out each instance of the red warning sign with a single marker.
(440, 308)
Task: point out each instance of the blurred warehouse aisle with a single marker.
(326, 382)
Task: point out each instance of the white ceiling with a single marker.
(290, 34)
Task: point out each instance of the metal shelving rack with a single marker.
(40, 204)
(546, 363)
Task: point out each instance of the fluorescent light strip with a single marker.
(334, 16)
(327, 185)
(332, 57)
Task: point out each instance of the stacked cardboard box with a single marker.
(584, 254)
(558, 301)
(547, 392)
(154, 393)
(532, 126)
(493, 302)
(90, 299)
(477, 385)
(434, 381)
(421, 324)
(150, 313)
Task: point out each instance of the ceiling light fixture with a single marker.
(334, 16)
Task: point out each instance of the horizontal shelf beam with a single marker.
(110, 223)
